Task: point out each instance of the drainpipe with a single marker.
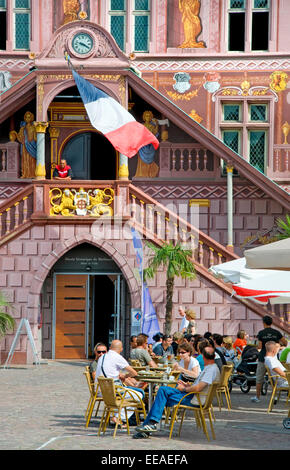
(230, 245)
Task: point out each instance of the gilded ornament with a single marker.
(191, 23)
(245, 86)
(70, 202)
(185, 96)
(194, 115)
(285, 130)
(40, 127)
(123, 171)
(278, 81)
(66, 205)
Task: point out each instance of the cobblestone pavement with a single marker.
(42, 408)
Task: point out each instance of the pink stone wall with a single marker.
(254, 211)
(26, 262)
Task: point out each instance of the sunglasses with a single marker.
(182, 352)
(101, 352)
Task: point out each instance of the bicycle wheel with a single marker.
(264, 389)
(286, 423)
(245, 386)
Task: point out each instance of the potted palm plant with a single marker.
(7, 322)
(177, 262)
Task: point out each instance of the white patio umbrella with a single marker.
(263, 275)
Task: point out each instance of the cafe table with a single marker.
(154, 380)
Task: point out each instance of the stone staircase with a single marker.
(158, 224)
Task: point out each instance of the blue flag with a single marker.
(150, 324)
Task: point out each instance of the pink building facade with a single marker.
(217, 97)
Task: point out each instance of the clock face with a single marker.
(82, 43)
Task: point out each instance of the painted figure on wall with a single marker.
(191, 23)
(70, 9)
(27, 137)
(146, 166)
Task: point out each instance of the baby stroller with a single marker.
(245, 373)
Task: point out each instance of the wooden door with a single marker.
(70, 316)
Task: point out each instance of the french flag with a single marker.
(113, 120)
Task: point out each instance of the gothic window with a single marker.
(3, 22)
(141, 17)
(133, 24)
(244, 128)
(21, 16)
(118, 22)
(248, 23)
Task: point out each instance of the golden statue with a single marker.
(191, 23)
(27, 137)
(71, 9)
(66, 203)
(146, 166)
(100, 202)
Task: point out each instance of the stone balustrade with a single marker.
(281, 162)
(185, 160)
(16, 212)
(160, 223)
(9, 160)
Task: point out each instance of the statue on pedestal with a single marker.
(27, 137)
(146, 166)
(191, 23)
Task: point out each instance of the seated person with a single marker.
(164, 349)
(99, 349)
(275, 366)
(240, 342)
(188, 366)
(133, 342)
(111, 365)
(141, 352)
(168, 396)
(62, 171)
(177, 339)
(200, 344)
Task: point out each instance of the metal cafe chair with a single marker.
(200, 412)
(115, 399)
(94, 398)
(273, 380)
(223, 386)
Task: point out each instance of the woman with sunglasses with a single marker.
(99, 350)
(188, 366)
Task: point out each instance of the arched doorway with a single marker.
(91, 157)
(85, 300)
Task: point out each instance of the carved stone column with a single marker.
(40, 158)
(54, 135)
(123, 167)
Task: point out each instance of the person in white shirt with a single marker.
(184, 322)
(169, 396)
(188, 366)
(273, 363)
(112, 365)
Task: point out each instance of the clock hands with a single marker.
(83, 44)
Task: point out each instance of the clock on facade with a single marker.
(82, 43)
